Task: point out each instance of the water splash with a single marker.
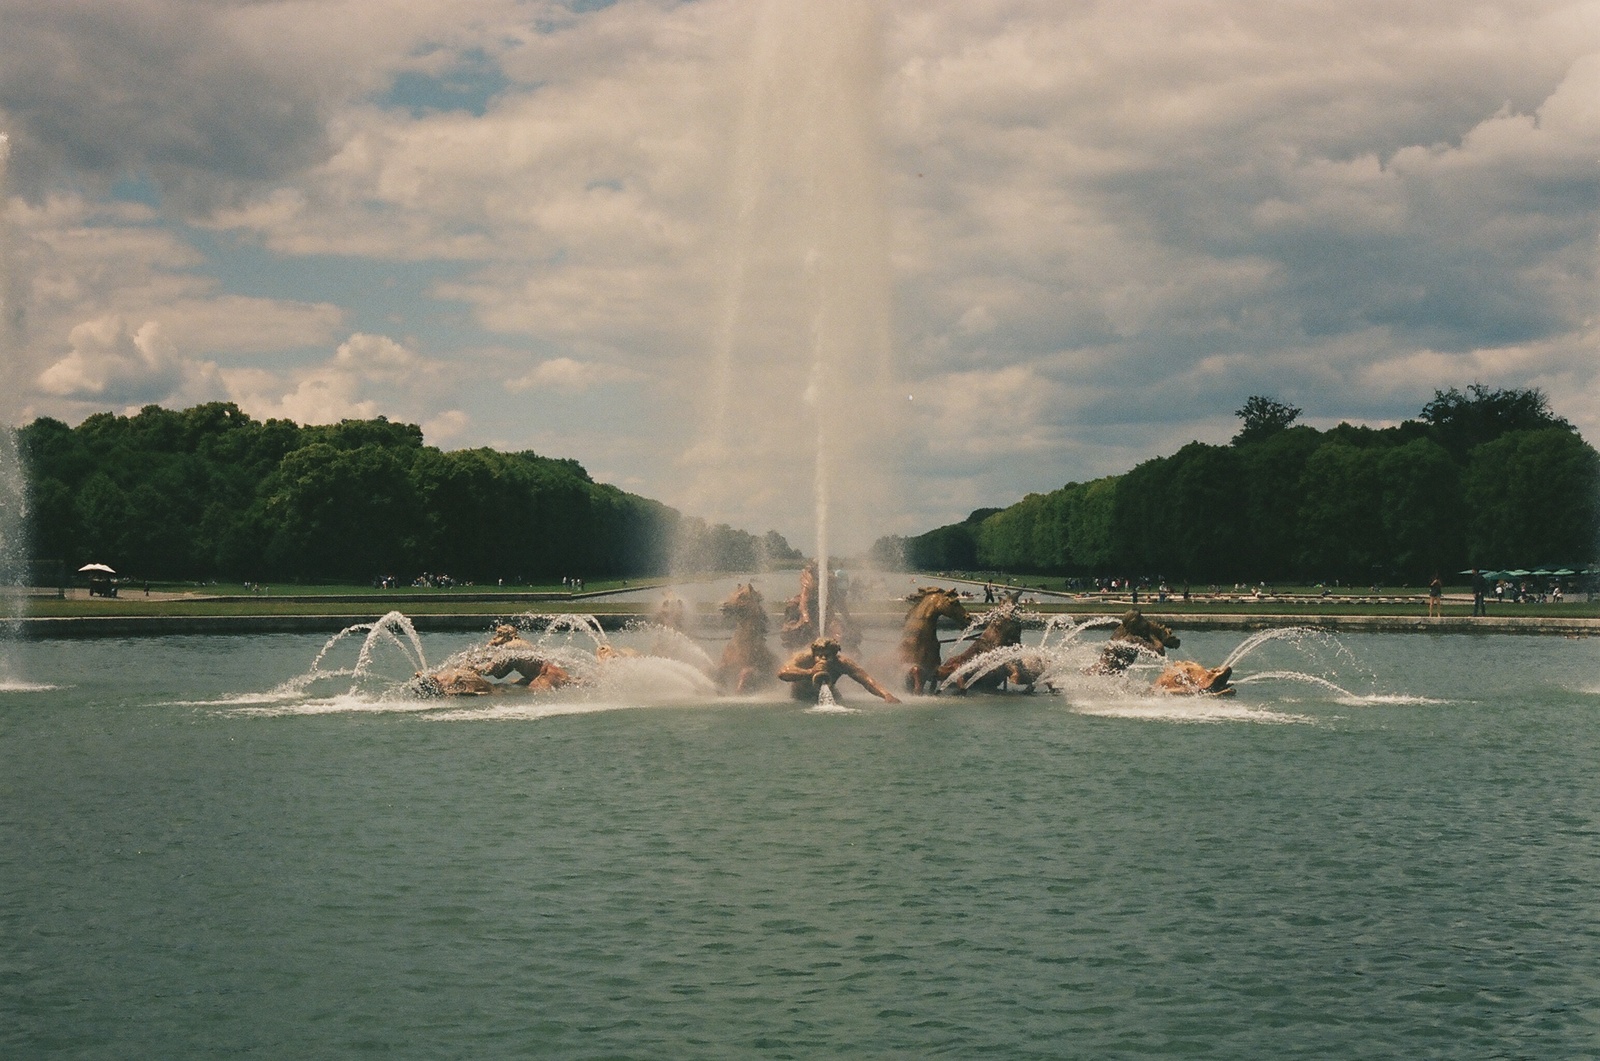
(1328, 655)
(1298, 676)
(669, 643)
(1299, 636)
(827, 704)
(391, 629)
(389, 654)
(988, 662)
(1069, 630)
(557, 628)
(1188, 710)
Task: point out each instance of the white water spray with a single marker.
(13, 485)
(800, 364)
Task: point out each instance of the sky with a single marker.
(968, 248)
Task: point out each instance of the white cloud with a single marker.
(1111, 222)
(447, 425)
(367, 376)
(566, 374)
(129, 301)
(111, 362)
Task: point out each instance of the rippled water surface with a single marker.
(1400, 861)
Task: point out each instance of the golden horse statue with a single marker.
(746, 661)
(919, 640)
(1003, 629)
(1137, 634)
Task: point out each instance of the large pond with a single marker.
(1383, 846)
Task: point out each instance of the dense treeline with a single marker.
(1485, 477)
(210, 492)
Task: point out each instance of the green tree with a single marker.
(1005, 539)
(1089, 526)
(952, 547)
(342, 514)
(776, 548)
(1263, 417)
(1421, 509)
(1141, 519)
(1533, 497)
(888, 553)
(1341, 533)
(1205, 534)
(103, 516)
(1273, 468)
(1461, 422)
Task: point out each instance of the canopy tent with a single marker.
(1548, 571)
(101, 568)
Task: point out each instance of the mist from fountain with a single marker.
(14, 554)
(389, 657)
(800, 356)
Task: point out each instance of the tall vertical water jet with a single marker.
(13, 551)
(13, 487)
(796, 415)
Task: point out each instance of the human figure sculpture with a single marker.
(507, 654)
(452, 681)
(511, 654)
(746, 661)
(822, 664)
(800, 613)
(919, 641)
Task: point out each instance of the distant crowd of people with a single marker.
(426, 580)
(430, 580)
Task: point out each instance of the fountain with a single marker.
(13, 486)
(801, 367)
(13, 554)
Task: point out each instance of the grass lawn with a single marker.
(1326, 606)
(363, 600)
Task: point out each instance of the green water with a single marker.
(1413, 872)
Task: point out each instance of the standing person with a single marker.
(1479, 606)
(1435, 596)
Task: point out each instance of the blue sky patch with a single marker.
(468, 86)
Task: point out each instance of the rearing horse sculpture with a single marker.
(919, 643)
(1003, 630)
(747, 661)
